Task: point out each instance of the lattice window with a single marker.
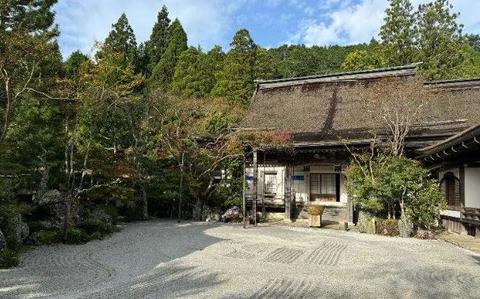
(270, 183)
(323, 187)
(450, 186)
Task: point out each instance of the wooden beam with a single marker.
(255, 183)
(244, 195)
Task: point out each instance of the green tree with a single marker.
(164, 71)
(30, 62)
(73, 64)
(470, 66)
(235, 81)
(29, 54)
(185, 72)
(364, 60)
(474, 41)
(195, 72)
(440, 39)
(398, 33)
(383, 183)
(156, 45)
(121, 40)
(265, 65)
(209, 67)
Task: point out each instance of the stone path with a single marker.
(196, 260)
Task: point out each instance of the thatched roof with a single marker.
(329, 107)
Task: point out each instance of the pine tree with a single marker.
(29, 54)
(155, 47)
(163, 72)
(122, 40)
(265, 66)
(235, 81)
(195, 74)
(398, 33)
(440, 39)
(73, 63)
(209, 66)
(185, 70)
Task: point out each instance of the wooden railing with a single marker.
(471, 215)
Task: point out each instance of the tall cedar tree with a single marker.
(236, 78)
(185, 70)
(440, 39)
(195, 72)
(155, 47)
(121, 40)
(265, 66)
(163, 72)
(73, 64)
(398, 33)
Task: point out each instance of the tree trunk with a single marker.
(404, 224)
(42, 188)
(144, 201)
(197, 209)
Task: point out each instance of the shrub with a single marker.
(75, 236)
(383, 183)
(96, 236)
(93, 225)
(387, 227)
(112, 211)
(8, 259)
(365, 223)
(47, 237)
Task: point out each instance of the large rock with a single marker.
(50, 197)
(405, 227)
(210, 215)
(233, 214)
(3, 242)
(19, 228)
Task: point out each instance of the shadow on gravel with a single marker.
(172, 281)
(476, 258)
(133, 261)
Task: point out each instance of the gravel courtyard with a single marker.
(195, 260)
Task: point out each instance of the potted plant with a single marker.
(315, 212)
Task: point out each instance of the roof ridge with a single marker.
(319, 76)
(461, 80)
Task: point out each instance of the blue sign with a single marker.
(298, 177)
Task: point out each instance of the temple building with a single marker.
(327, 119)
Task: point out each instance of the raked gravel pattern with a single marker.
(163, 259)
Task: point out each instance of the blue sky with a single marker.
(209, 22)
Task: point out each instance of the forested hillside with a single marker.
(86, 142)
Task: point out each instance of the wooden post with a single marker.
(244, 195)
(255, 183)
(181, 190)
(263, 185)
(288, 193)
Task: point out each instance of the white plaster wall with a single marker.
(280, 170)
(472, 187)
(301, 187)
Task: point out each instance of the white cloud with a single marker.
(355, 22)
(209, 22)
(84, 21)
